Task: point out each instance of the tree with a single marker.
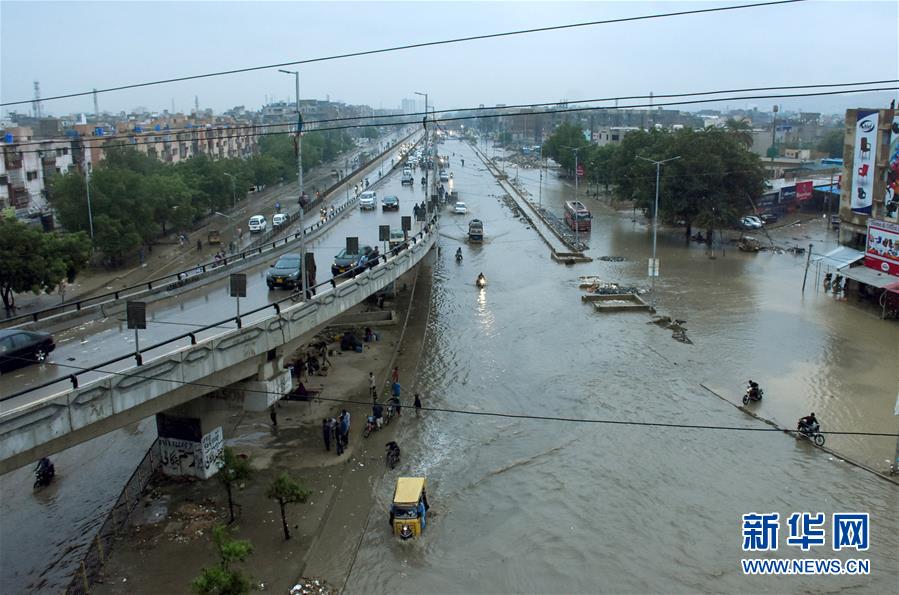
(223, 579)
(286, 491)
(558, 146)
(32, 260)
(741, 130)
(832, 143)
(234, 470)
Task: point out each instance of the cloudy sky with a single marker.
(76, 46)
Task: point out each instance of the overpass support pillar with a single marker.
(190, 442)
(272, 383)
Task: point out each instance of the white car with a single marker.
(257, 224)
(751, 222)
(279, 219)
(368, 200)
(460, 208)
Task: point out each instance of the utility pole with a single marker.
(87, 185)
(427, 144)
(577, 223)
(296, 76)
(654, 263)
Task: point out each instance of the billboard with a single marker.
(804, 190)
(891, 195)
(882, 247)
(865, 151)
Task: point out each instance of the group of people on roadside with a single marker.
(337, 431)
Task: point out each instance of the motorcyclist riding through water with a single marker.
(458, 253)
(808, 424)
(44, 472)
(482, 280)
(754, 390)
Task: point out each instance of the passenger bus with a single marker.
(577, 216)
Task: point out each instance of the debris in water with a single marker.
(612, 258)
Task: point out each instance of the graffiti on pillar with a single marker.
(179, 457)
(213, 448)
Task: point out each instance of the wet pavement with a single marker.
(543, 506)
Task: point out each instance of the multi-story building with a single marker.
(26, 167)
(869, 197)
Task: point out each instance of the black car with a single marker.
(19, 348)
(768, 217)
(346, 262)
(285, 272)
(390, 203)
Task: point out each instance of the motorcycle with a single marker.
(44, 473)
(371, 425)
(481, 282)
(749, 397)
(811, 433)
(458, 257)
(393, 454)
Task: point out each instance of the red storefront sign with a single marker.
(882, 247)
(804, 190)
(580, 170)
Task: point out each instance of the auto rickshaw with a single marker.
(410, 507)
(213, 237)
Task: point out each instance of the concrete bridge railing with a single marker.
(89, 409)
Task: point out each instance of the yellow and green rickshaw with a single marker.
(408, 513)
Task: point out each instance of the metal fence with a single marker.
(116, 521)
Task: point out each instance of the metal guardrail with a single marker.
(117, 519)
(238, 320)
(174, 280)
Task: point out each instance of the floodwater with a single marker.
(544, 506)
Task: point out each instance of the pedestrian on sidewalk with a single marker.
(326, 433)
(371, 385)
(199, 245)
(335, 434)
(323, 354)
(396, 390)
(395, 375)
(345, 427)
(273, 414)
(417, 404)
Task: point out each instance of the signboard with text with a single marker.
(865, 153)
(891, 195)
(882, 247)
(580, 170)
(804, 190)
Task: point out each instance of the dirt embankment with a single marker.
(169, 541)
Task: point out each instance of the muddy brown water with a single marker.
(542, 506)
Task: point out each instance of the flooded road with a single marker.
(543, 506)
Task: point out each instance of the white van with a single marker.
(257, 224)
(368, 200)
(279, 219)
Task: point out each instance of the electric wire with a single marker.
(504, 115)
(409, 47)
(494, 414)
(251, 128)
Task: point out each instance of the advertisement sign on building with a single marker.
(804, 190)
(891, 196)
(580, 170)
(882, 247)
(865, 153)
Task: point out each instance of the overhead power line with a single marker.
(507, 107)
(653, 104)
(556, 418)
(409, 47)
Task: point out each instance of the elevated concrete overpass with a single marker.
(248, 348)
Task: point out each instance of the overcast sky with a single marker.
(76, 46)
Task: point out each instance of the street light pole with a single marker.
(577, 224)
(653, 266)
(296, 75)
(233, 192)
(87, 186)
(427, 145)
